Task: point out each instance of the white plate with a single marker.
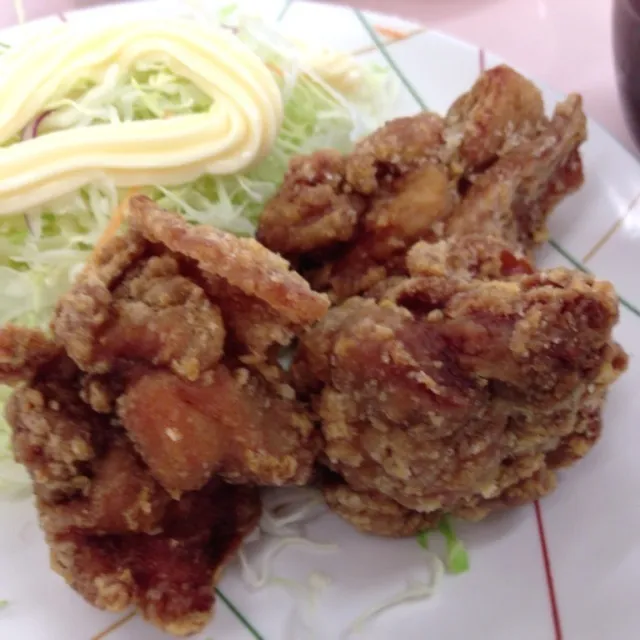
(567, 568)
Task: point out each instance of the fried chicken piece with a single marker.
(413, 424)
(501, 110)
(396, 189)
(22, 352)
(315, 206)
(242, 262)
(151, 295)
(116, 536)
(458, 395)
(372, 512)
(396, 149)
(494, 162)
(192, 339)
(154, 391)
(513, 198)
(231, 423)
(509, 201)
(470, 256)
(84, 470)
(168, 576)
(324, 195)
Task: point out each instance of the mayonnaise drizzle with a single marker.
(239, 128)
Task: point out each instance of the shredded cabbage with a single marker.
(416, 590)
(43, 249)
(302, 623)
(262, 576)
(457, 556)
(423, 539)
(285, 512)
(14, 481)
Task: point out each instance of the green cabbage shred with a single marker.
(457, 558)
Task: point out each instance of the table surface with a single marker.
(560, 42)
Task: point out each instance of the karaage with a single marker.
(190, 319)
(458, 395)
(158, 397)
(115, 535)
(493, 164)
(450, 377)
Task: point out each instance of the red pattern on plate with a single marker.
(548, 570)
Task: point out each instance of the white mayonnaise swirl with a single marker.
(239, 128)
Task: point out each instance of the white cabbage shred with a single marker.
(285, 514)
(416, 590)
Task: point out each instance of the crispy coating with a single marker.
(401, 213)
(395, 149)
(324, 195)
(193, 342)
(242, 262)
(120, 496)
(346, 222)
(231, 423)
(22, 352)
(85, 471)
(155, 315)
(500, 111)
(315, 206)
(521, 334)
(156, 302)
(494, 163)
(55, 435)
(369, 511)
(461, 378)
(115, 535)
(158, 397)
(254, 328)
(458, 395)
(469, 256)
(168, 576)
(513, 198)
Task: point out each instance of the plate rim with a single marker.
(382, 47)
